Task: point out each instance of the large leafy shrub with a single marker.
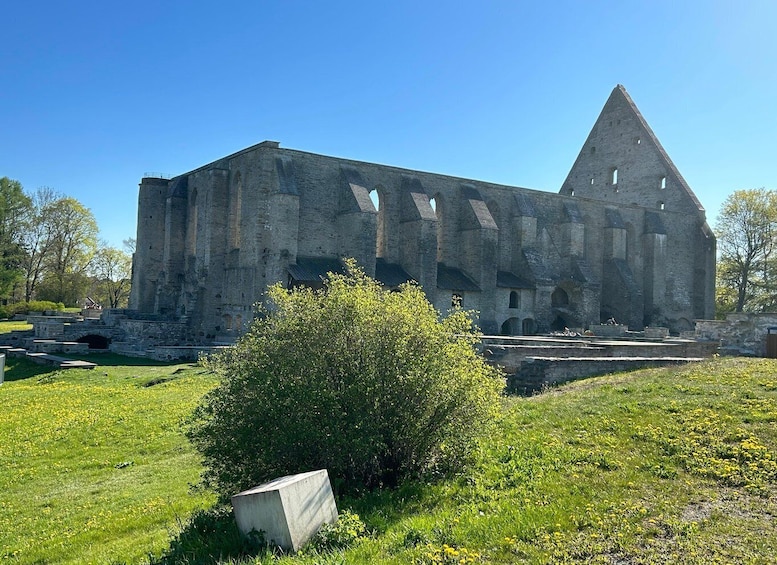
(368, 383)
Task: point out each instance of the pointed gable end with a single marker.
(623, 162)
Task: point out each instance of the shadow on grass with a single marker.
(115, 360)
(18, 369)
(211, 536)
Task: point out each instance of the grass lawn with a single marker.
(93, 466)
(675, 465)
(7, 326)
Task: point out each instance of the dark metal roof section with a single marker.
(525, 206)
(451, 278)
(390, 274)
(612, 219)
(286, 181)
(654, 223)
(314, 269)
(506, 279)
(572, 213)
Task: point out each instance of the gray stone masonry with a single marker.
(625, 237)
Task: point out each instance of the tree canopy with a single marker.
(747, 235)
(49, 250)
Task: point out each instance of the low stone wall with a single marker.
(537, 373)
(739, 333)
(609, 330)
(512, 357)
(181, 353)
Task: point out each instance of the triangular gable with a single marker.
(623, 161)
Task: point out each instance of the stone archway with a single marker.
(95, 341)
(511, 326)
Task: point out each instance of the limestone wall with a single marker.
(233, 227)
(739, 333)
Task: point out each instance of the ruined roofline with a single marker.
(274, 145)
(664, 155)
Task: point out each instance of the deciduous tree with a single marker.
(15, 206)
(111, 269)
(70, 244)
(747, 234)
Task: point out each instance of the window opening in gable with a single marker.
(377, 198)
(663, 183)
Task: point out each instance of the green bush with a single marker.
(10, 310)
(370, 384)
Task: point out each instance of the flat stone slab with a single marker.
(289, 510)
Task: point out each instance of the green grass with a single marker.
(7, 326)
(93, 466)
(658, 466)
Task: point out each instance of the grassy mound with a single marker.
(675, 465)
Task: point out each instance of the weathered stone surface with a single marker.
(289, 511)
(625, 237)
(739, 333)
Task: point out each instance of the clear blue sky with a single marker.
(94, 94)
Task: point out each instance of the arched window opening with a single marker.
(510, 326)
(433, 204)
(663, 183)
(228, 322)
(559, 298)
(660, 205)
(514, 299)
(239, 322)
(378, 199)
(614, 176)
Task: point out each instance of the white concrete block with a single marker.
(289, 510)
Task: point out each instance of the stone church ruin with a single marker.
(624, 238)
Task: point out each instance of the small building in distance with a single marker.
(624, 238)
